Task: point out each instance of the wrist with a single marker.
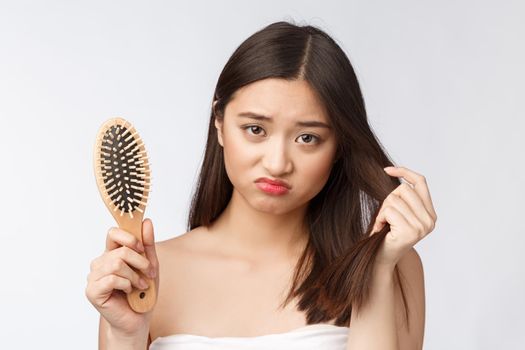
(118, 340)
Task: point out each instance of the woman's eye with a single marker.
(308, 137)
(253, 128)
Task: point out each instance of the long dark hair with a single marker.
(333, 274)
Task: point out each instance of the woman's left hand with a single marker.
(409, 211)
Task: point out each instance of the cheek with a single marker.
(237, 159)
(314, 175)
(315, 171)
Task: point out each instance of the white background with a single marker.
(441, 81)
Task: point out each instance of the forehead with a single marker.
(279, 98)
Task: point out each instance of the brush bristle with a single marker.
(124, 169)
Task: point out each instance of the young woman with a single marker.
(298, 237)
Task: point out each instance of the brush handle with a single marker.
(139, 300)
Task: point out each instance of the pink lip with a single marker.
(272, 186)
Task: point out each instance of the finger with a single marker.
(392, 216)
(100, 291)
(412, 198)
(118, 237)
(148, 238)
(120, 268)
(378, 226)
(379, 222)
(410, 217)
(419, 183)
(108, 283)
(130, 257)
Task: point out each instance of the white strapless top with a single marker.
(310, 337)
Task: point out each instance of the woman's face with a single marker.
(277, 146)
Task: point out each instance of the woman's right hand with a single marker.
(111, 278)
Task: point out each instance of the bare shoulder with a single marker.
(181, 244)
(178, 257)
(411, 263)
(412, 274)
(412, 278)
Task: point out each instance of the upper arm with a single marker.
(412, 278)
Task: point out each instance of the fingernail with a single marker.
(389, 168)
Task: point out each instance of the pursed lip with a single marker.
(275, 182)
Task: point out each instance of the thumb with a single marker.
(148, 236)
(148, 239)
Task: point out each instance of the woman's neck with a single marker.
(260, 235)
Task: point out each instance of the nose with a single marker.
(276, 160)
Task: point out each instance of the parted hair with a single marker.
(334, 271)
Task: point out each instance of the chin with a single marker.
(278, 205)
(270, 205)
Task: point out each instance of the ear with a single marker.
(218, 126)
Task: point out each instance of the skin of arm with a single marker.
(109, 340)
(381, 324)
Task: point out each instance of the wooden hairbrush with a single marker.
(123, 179)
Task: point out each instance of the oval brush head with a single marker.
(123, 178)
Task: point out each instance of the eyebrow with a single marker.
(312, 123)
